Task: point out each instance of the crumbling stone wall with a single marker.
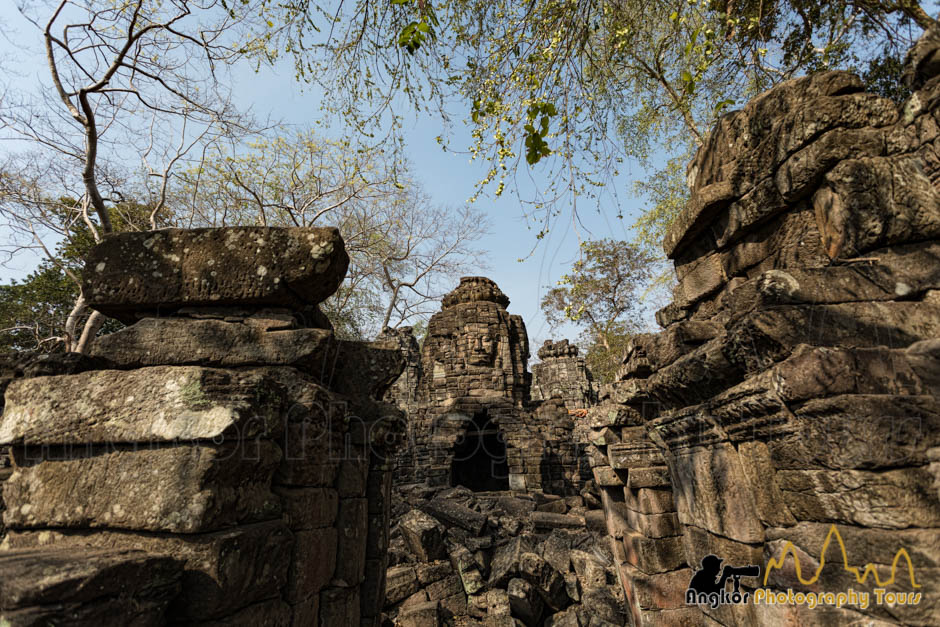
(794, 388)
(219, 461)
(562, 374)
(404, 392)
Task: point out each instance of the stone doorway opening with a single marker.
(480, 457)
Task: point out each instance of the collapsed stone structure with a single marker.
(219, 461)
(472, 423)
(793, 394)
(459, 557)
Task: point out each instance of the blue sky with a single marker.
(449, 178)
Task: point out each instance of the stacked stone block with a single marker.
(221, 437)
(404, 392)
(793, 393)
(562, 374)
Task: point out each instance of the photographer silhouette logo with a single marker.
(708, 585)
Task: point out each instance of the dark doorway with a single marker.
(480, 457)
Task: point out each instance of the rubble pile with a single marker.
(793, 393)
(466, 558)
(219, 461)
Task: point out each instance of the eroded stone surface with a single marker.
(150, 273)
(159, 404)
(183, 489)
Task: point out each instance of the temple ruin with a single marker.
(472, 422)
(226, 460)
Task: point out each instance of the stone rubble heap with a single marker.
(794, 388)
(226, 465)
(465, 558)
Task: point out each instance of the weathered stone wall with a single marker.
(404, 392)
(562, 374)
(228, 458)
(794, 389)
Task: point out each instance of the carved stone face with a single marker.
(477, 347)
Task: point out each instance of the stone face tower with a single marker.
(562, 374)
(475, 348)
(473, 423)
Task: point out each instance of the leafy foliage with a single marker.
(580, 86)
(601, 295)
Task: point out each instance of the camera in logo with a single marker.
(708, 585)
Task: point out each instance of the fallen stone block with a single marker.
(548, 582)
(423, 535)
(455, 514)
(420, 615)
(400, 583)
(524, 601)
(155, 272)
(548, 520)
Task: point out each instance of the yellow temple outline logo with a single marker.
(860, 577)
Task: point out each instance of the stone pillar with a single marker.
(222, 434)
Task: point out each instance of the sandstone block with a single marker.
(649, 500)
(423, 535)
(653, 477)
(308, 508)
(455, 514)
(420, 615)
(352, 523)
(654, 555)
(870, 202)
(245, 565)
(159, 404)
(217, 343)
(659, 591)
(155, 272)
(550, 520)
(524, 601)
(86, 586)
(505, 563)
(400, 583)
(181, 489)
(712, 492)
(312, 563)
(339, 606)
(891, 499)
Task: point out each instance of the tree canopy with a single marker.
(601, 295)
(580, 86)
